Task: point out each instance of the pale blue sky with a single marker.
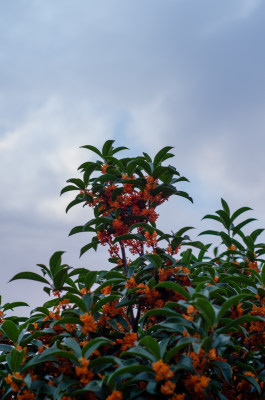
(150, 73)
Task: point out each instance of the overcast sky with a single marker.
(147, 73)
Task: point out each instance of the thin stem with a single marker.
(124, 261)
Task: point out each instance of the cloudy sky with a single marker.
(147, 73)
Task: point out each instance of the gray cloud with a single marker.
(148, 74)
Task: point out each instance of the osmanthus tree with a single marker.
(166, 321)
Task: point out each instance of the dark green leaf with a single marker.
(128, 237)
(152, 345)
(29, 275)
(68, 188)
(160, 155)
(92, 148)
(239, 212)
(10, 329)
(78, 182)
(90, 279)
(175, 287)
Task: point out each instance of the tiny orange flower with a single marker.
(116, 395)
(168, 388)
(162, 370)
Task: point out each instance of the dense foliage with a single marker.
(167, 321)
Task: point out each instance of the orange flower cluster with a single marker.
(191, 312)
(127, 341)
(168, 388)
(89, 324)
(151, 239)
(62, 304)
(70, 328)
(104, 168)
(237, 311)
(9, 380)
(26, 395)
(151, 297)
(171, 251)
(52, 315)
(131, 201)
(116, 395)
(106, 290)
(131, 283)
(178, 397)
(162, 371)
(85, 375)
(164, 274)
(109, 311)
(196, 385)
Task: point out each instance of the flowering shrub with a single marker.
(167, 321)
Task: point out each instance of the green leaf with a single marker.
(225, 219)
(139, 352)
(107, 147)
(88, 300)
(145, 165)
(116, 192)
(225, 207)
(68, 188)
(160, 155)
(210, 232)
(185, 195)
(29, 275)
(10, 306)
(76, 301)
(14, 359)
(10, 329)
(87, 247)
(55, 262)
(128, 237)
(152, 345)
(239, 212)
(231, 302)
(143, 225)
(79, 229)
(92, 148)
(107, 178)
(225, 370)
(243, 223)
(212, 216)
(183, 230)
(90, 279)
(154, 259)
(72, 344)
(59, 278)
(131, 369)
(73, 203)
(206, 309)
(117, 162)
(66, 320)
(88, 171)
(256, 233)
(147, 157)
(119, 149)
(263, 275)
(78, 182)
(93, 345)
(252, 381)
(175, 287)
(235, 323)
(183, 342)
(197, 244)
